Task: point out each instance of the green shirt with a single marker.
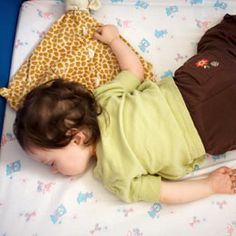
(146, 134)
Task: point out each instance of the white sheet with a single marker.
(35, 202)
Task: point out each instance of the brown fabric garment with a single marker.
(207, 82)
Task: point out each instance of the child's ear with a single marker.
(79, 138)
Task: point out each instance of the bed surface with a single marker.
(34, 202)
(8, 20)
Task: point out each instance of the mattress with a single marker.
(35, 202)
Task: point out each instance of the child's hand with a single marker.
(107, 34)
(223, 180)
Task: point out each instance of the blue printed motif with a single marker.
(155, 209)
(196, 2)
(196, 167)
(13, 167)
(141, 4)
(57, 214)
(218, 157)
(83, 197)
(220, 5)
(160, 33)
(171, 10)
(143, 45)
(167, 74)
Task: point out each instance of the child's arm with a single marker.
(127, 59)
(222, 180)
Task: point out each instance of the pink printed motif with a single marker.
(97, 228)
(45, 15)
(202, 24)
(194, 221)
(7, 138)
(40, 34)
(28, 215)
(19, 43)
(126, 211)
(44, 188)
(134, 232)
(220, 204)
(123, 23)
(230, 230)
(180, 57)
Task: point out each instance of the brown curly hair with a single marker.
(54, 108)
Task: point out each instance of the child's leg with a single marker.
(207, 82)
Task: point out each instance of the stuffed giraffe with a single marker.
(68, 51)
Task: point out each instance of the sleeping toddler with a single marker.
(144, 135)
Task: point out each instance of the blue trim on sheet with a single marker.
(9, 10)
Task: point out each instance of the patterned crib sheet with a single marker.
(34, 202)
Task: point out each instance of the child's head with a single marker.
(57, 125)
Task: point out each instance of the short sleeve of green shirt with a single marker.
(125, 81)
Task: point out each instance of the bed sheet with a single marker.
(34, 202)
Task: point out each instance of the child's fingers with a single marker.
(233, 179)
(99, 30)
(224, 170)
(233, 187)
(227, 170)
(233, 171)
(97, 36)
(233, 183)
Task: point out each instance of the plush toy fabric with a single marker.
(68, 51)
(82, 5)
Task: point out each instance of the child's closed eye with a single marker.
(53, 168)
